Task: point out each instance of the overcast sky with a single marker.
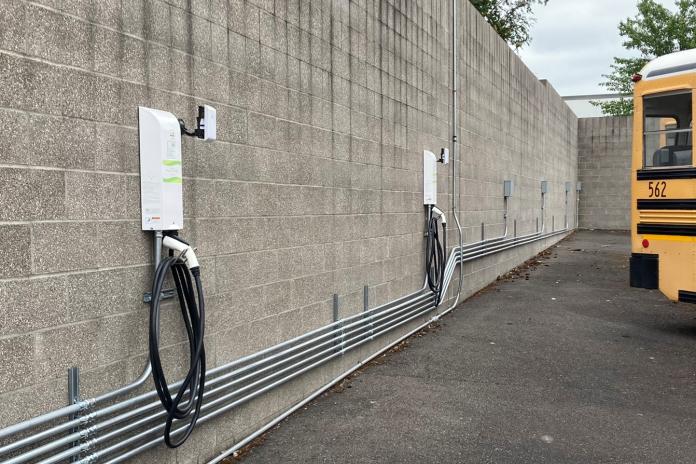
(574, 41)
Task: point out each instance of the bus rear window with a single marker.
(667, 130)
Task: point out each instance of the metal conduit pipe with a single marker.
(460, 258)
(531, 238)
(384, 312)
(219, 402)
(418, 307)
(493, 248)
(118, 406)
(83, 405)
(455, 140)
(223, 404)
(472, 251)
(376, 316)
(232, 405)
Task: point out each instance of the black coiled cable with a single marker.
(435, 255)
(192, 306)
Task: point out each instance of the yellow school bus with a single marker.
(663, 183)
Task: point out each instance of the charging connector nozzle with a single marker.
(187, 253)
(443, 217)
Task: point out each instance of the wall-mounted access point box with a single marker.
(161, 197)
(544, 186)
(568, 187)
(578, 187)
(429, 178)
(507, 188)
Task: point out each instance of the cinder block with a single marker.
(22, 404)
(252, 22)
(45, 189)
(95, 294)
(116, 148)
(133, 57)
(133, 17)
(59, 38)
(107, 13)
(13, 25)
(261, 130)
(201, 37)
(17, 258)
(14, 147)
(181, 24)
(157, 21)
(55, 349)
(32, 304)
(60, 142)
(64, 246)
(95, 196)
(16, 369)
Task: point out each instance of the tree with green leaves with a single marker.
(511, 19)
(653, 32)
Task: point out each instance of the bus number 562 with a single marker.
(657, 189)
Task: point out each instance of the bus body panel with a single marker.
(663, 202)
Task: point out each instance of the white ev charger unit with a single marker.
(162, 205)
(434, 249)
(429, 178)
(161, 197)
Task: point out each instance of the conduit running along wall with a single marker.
(115, 432)
(324, 110)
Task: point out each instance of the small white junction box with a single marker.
(429, 178)
(161, 196)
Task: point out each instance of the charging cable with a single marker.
(435, 251)
(183, 265)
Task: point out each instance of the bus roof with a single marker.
(673, 63)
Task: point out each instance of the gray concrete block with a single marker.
(236, 16)
(201, 37)
(33, 304)
(59, 38)
(107, 13)
(261, 130)
(133, 59)
(31, 194)
(21, 404)
(133, 17)
(60, 142)
(94, 196)
(64, 246)
(14, 146)
(57, 349)
(95, 294)
(16, 370)
(232, 124)
(116, 149)
(181, 24)
(13, 26)
(17, 258)
(251, 22)
(157, 21)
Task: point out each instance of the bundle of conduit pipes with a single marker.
(116, 426)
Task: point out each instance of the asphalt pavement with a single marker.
(558, 362)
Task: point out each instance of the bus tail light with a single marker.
(636, 77)
(646, 243)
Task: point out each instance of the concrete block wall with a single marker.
(313, 188)
(604, 168)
